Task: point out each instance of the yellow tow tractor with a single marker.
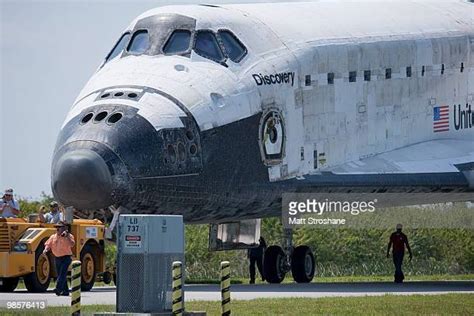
(21, 253)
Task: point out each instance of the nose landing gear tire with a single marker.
(274, 264)
(107, 277)
(302, 264)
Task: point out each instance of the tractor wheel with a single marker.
(38, 281)
(88, 271)
(8, 284)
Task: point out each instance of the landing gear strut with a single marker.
(278, 261)
(109, 230)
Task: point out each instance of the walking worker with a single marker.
(60, 244)
(8, 206)
(399, 240)
(256, 257)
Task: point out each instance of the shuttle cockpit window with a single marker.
(207, 46)
(234, 49)
(119, 46)
(140, 42)
(178, 42)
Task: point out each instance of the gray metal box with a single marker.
(146, 248)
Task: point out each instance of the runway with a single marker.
(106, 295)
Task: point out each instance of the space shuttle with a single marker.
(214, 111)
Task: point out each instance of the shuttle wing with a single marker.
(436, 158)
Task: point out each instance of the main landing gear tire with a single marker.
(302, 264)
(274, 264)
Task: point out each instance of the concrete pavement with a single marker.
(211, 292)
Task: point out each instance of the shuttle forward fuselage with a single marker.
(214, 112)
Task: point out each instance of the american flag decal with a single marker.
(441, 119)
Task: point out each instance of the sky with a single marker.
(49, 49)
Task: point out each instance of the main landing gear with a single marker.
(278, 261)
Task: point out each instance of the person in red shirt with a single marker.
(60, 245)
(399, 240)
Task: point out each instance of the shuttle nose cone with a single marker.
(82, 179)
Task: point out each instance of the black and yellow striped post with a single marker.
(178, 303)
(225, 287)
(76, 288)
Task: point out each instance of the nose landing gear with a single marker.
(278, 261)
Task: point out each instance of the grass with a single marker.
(446, 304)
(389, 278)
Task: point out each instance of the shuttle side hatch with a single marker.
(272, 137)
